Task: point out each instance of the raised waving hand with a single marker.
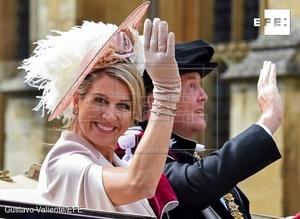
(159, 47)
(268, 97)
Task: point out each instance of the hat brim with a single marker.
(183, 69)
(91, 58)
(202, 70)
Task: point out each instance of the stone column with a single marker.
(2, 135)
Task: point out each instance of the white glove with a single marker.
(159, 48)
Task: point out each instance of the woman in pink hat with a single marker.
(90, 79)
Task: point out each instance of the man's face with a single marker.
(190, 116)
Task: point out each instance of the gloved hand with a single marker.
(159, 48)
(268, 97)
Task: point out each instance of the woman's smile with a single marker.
(105, 128)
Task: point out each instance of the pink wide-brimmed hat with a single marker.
(60, 63)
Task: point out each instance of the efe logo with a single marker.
(276, 22)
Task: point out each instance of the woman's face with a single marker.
(104, 112)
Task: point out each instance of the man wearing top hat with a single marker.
(206, 187)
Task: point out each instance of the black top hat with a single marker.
(192, 56)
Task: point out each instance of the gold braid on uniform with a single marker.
(229, 199)
(233, 207)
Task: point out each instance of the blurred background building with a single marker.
(240, 49)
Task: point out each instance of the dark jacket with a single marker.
(199, 183)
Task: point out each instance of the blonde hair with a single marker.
(125, 72)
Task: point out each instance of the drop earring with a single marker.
(75, 111)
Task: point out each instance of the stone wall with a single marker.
(25, 136)
(291, 151)
(275, 190)
(24, 131)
